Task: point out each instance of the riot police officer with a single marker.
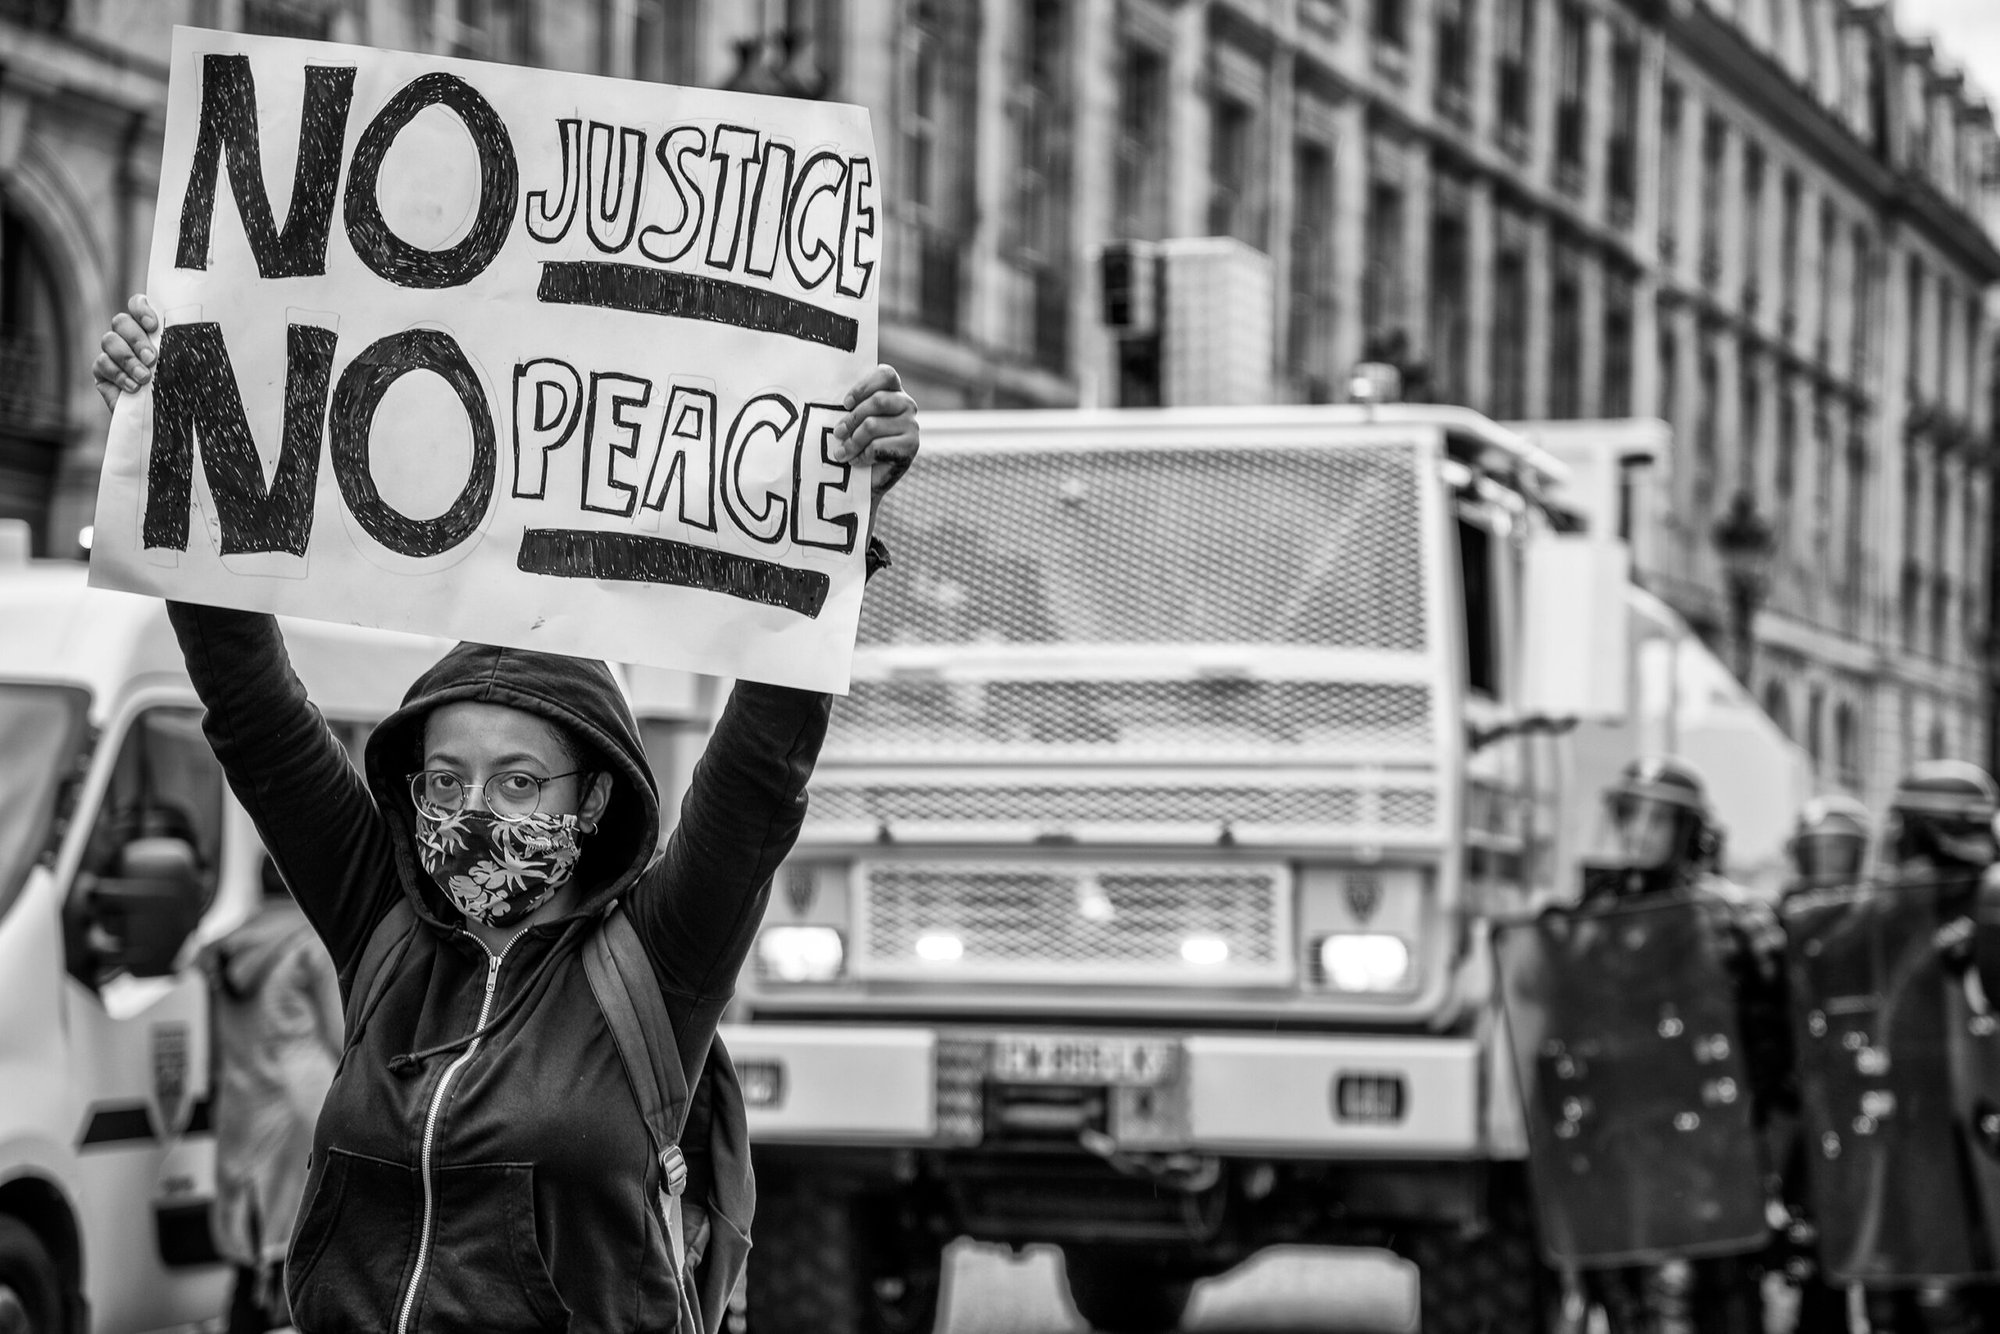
(1894, 1042)
(1829, 843)
(1666, 843)
(1940, 841)
(1828, 850)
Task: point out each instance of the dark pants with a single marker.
(1931, 1310)
(1680, 1297)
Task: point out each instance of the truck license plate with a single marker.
(1049, 1059)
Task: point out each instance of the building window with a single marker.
(1857, 514)
(1788, 254)
(477, 29)
(1141, 188)
(1707, 459)
(1515, 53)
(1753, 226)
(308, 19)
(1450, 334)
(1617, 393)
(1510, 332)
(1669, 409)
(1942, 357)
(42, 15)
(1573, 78)
(1670, 170)
(1786, 471)
(1829, 234)
(1846, 744)
(1454, 56)
(1864, 288)
(1911, 601)
(1566, 340)
(1941, 508)
(1914, 360)
(1714, 143)
(1232, 176)
(1039, 221)
(1749, 420)
(1823, 461)
(34, 375)
(1382, 287)
(1389, 22)
(1622, 149)
(1310, 344)
(934, 107)
(664, 40)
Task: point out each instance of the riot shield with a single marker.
(1641, 1142)
(1897, 1065)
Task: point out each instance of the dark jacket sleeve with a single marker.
(291, 773)
(699, 905)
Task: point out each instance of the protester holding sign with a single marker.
(479, 1163)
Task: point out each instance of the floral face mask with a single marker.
(497, 871)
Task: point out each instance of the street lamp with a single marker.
(1744, 540)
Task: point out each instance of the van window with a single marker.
(166, 782)
(41, 734)
(1482, 632)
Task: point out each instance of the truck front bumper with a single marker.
(1298, 1096)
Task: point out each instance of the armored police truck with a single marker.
(1142, 902)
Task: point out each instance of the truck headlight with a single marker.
(800, 953)
(1355, 961)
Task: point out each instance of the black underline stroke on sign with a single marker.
(576, 553)
(692, 296)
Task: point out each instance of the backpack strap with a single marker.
(387, 944)
(628, 991)
(636, 1014)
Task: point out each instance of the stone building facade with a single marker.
(1757, 219)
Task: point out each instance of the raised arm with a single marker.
(699, 906)
(283, 762)
(291, 773)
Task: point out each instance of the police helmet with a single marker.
(1946, 809)
(1659, 784)
(1829, 841)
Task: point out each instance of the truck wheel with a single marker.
(30, 1288)
(831, 1262)
(1491, 1281)
(1125, 1294)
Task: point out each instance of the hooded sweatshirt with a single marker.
(277, 1034)
(480, 1163)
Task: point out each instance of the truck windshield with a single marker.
(1231, 545)
(40, 729)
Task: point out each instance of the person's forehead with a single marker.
(475, 730)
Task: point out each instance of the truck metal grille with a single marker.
(1202, 720)
(1234, 545)
(1338, 808)
(1078, 924)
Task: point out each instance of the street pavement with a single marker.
(987, 1290)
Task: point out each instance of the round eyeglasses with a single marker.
(514, 795)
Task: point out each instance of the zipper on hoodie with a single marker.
(409, 1302)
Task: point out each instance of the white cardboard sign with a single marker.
(519, 356)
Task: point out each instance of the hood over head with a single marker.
(581, 698)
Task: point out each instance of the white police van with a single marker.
(121, 852)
